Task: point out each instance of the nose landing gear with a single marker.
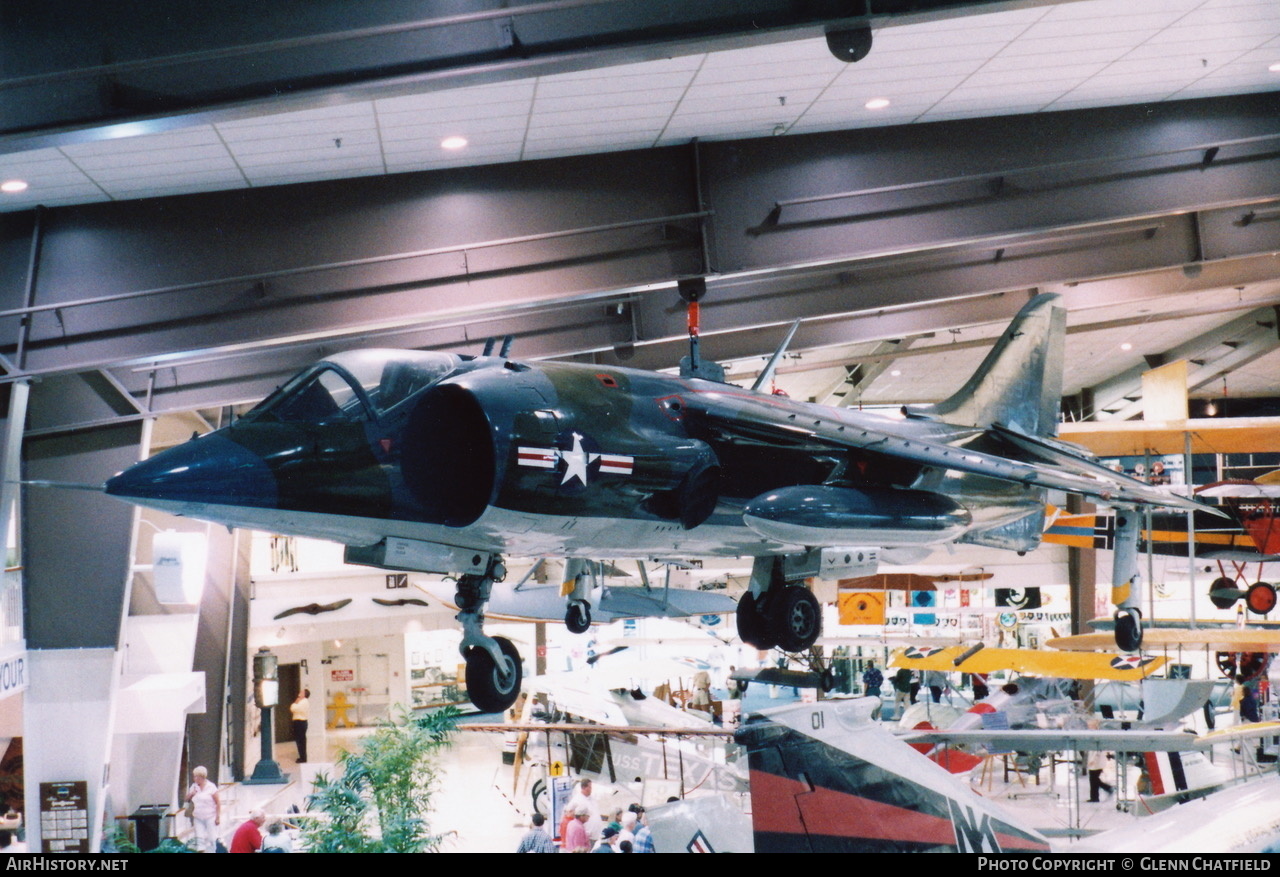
(494, 670)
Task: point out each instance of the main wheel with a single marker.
(490, 689)
(1223, 592)
(577, 618)
(752, 626)
(1128, 629)
(796, 619)
(541, 798)
(1260, 598)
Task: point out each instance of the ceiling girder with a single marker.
(223, 294)
(1211, 355)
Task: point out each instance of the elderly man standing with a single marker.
(575, 838)
(248, 837)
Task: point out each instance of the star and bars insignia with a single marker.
(579, 461)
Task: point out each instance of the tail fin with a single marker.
(826, 778)
(1019, 384)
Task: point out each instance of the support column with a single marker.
(76, 556)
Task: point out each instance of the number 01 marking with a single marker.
(816, 720)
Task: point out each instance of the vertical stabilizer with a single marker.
(1019, 384)
(827, 778)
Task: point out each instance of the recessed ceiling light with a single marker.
(1126, 346)
(877, 103)
(12, 186)
(896, 372)
(454, 142)
(1275, 68)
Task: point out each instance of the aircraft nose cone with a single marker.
(211, 469)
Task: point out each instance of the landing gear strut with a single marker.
(493, 672)
(776, 614)
(1126, 582)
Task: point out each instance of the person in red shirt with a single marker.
(575, 838)
(248, 837)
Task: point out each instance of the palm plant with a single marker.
(381, 799)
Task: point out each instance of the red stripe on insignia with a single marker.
(616, 464)
(543, 458)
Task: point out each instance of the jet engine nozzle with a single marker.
(448, 460)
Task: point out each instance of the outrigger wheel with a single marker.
(577, 618)
(1128, 629)
(492, 688)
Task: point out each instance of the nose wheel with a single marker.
(494, 671)
(493, 685)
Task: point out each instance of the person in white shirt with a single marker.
(206, 809)
(299, 711)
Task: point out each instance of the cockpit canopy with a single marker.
(355, 386)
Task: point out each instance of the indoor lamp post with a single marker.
(266, 694)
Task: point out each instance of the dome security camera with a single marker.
(849, 44)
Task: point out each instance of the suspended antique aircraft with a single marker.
(445, 464)
(1250, 536)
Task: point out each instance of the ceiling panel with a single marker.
(1075, 54)
(1084, 54)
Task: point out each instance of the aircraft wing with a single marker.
(1219, 640)
(1234, 490)
(761, 418)
(545, 603)
(1204, 625)
(1122, 668)
(634, 601)
(1037, 740)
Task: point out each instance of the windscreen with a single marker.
(354, 386)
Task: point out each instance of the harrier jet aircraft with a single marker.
(446, 464)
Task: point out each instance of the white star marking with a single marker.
(576, 461)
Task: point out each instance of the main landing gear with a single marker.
(493, 671)
(774, 614)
